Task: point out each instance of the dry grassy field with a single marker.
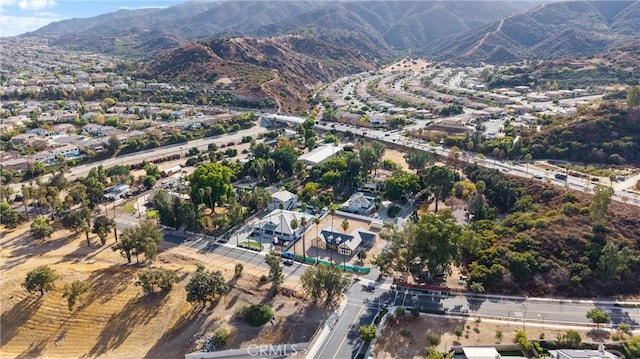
(114, 319)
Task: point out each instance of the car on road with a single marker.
(287, 262)
(537, 176)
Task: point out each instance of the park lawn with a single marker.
(252, 244)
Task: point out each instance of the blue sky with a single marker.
(20, 16)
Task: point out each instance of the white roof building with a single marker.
(320, 154)
(278, 224)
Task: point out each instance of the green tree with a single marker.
(215, 178)
(74, 291)
(205, 286)
(599, 204)
(570, 339)
(633, 346)
(397, 256)
(156, 280)
(368, 159)
(149, 182)
(614, 261)
(142, 239)
(275, 269)
(8, 216)
(633, 96)
(437, 238)
(41, 228)
(598, 316)
(327, 281)
(367, 333)
(40, 279)
(113, 144)
(440, 181)
(418, 160)
(74, 221)
(102, 225)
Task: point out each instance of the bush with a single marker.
(399, 312)
(367, 333)
(415, 312)
(263, 278)
(220, 338)
(257, 315)
(433, 340)
(237, 271)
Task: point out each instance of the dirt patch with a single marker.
(114, 319)
(406, 338)
(396, 157)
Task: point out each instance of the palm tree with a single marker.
(201, 194)
(208, 190)
(345, 226)
(25, 199)
(294, 226)
(303, 224)
(333, 215)
(527, 158)
(316, 221)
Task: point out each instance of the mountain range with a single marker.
(395, 24)
(283, 49)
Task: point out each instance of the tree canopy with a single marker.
(212, 175)
(142, 239)
(440, 181)
(327, 281)
(41, 228)
(40, 279)
(205, 286)
(156, 280)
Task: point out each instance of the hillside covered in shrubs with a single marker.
(540, 239)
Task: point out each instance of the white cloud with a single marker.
(16, 25)
(36, 4)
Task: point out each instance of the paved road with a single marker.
(366, 298)
(140, 156)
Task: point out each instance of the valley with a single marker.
(307, 179)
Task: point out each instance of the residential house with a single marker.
(45, 157)
(287, 199)
(277, 225)
(360, 203)
(15, 164)
(67, 151)
(40, 132)
(344, 243)
(64, 128)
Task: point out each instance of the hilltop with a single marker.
(549, 31)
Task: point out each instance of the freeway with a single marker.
(365, 298)
(137, 157)
(521, 170)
